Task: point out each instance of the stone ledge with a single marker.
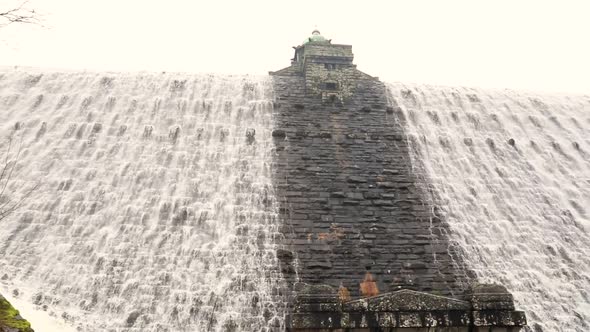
(407, 300)
(406, 310)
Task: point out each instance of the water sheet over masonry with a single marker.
(317, 198)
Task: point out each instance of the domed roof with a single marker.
(315, 37)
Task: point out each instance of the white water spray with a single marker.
(511, 172)
(155, 209)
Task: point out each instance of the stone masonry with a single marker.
(348, 197)
(485, 308)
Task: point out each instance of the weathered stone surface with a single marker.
(349, 203)
(278, 133)
(490, 297)
(407, 300)
(499, 318)
(344, 181)
(399, 311)
(315, 293)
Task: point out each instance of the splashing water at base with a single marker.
(511, 172)
(154, 209)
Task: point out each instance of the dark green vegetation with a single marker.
(10, 319)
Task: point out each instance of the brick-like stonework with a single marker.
(348, 196)
(487, 308)
(349, 202)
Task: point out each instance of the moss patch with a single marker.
(10, 317)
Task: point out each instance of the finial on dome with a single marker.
(315, 37)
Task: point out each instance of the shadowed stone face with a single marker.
(403, 309)
(408, 300)
(349, 199)
(350, 202)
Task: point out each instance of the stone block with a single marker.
(490, 297)
(499, 318)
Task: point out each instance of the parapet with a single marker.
(485, 307)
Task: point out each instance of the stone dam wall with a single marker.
(363, 246)
(360, 244)
(348, 197)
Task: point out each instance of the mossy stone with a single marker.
(10, 319)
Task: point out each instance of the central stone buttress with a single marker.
(349, 199)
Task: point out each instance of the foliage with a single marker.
(10, 317)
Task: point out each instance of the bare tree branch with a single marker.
(11, 201)
(6, 176)
(6, 164)
(6, 210)
(20, 14)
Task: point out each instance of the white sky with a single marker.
(525, 44)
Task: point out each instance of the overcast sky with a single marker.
(533, 45)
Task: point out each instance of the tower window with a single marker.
(331, 86)
(330, 66)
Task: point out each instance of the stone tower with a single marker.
(327, 69)
(351, 208)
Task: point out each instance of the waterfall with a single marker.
(510, 172)
(152, 206)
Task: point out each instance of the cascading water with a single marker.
(511, 174)
(154, 209)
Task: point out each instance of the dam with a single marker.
(316, 198)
